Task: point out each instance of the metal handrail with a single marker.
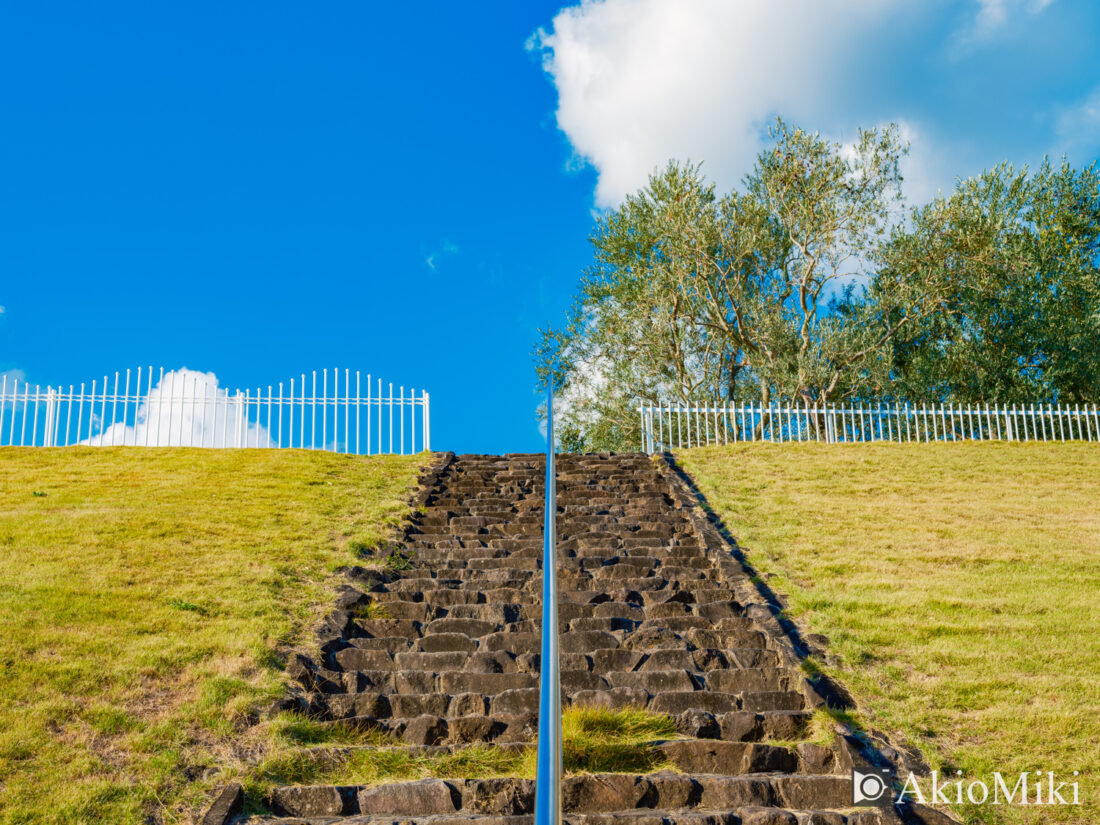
(549, 765)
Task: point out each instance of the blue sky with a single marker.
(264, 189)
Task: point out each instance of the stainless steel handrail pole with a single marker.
(549, 770)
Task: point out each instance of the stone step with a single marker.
(748, 647)
(427, 605)
(749, 668)
(424, 720)
(746, 815)
(494, 654)
(419, 693)
(428, 729)
(707, 756)
(434, 590)
(581, 794)
(520, 561)
(518, 673)
(459, 550)
(446, 653)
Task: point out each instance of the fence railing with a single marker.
(673, 426)
(548, 765)
(334, 409)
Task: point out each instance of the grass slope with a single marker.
(959, 585)
(143, 595)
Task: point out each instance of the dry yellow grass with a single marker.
(959, 585)
(144, 594)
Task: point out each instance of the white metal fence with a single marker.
(671, 426)
(337, 410)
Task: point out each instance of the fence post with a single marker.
(239, 422)
(34, 426)
(324, 409)
(51, 412)
(427, 423)
(14, 404)
(114, 404)
(69, 417)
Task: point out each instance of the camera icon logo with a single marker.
(871, 788)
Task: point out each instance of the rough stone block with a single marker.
(425, 797)
(314, 800)
(606, 792)
(228, 802)
(425, 730)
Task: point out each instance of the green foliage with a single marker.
(695, 297)
(1020, 319)
(373, 610)
(398, 562)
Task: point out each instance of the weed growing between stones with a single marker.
(595, 740)
(614, 741)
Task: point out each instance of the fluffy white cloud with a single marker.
(186, 408)
(642, 81)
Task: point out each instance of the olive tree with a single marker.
(753, 294)
(1019, 320)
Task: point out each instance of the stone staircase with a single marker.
(440, 645)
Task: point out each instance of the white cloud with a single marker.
(643, 81)
(186, 408)
(991, 15)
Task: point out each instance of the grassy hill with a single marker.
(959, 586)
(144, 595)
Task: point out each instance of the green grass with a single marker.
(959, 586)
(145, 596)
(594, 740)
